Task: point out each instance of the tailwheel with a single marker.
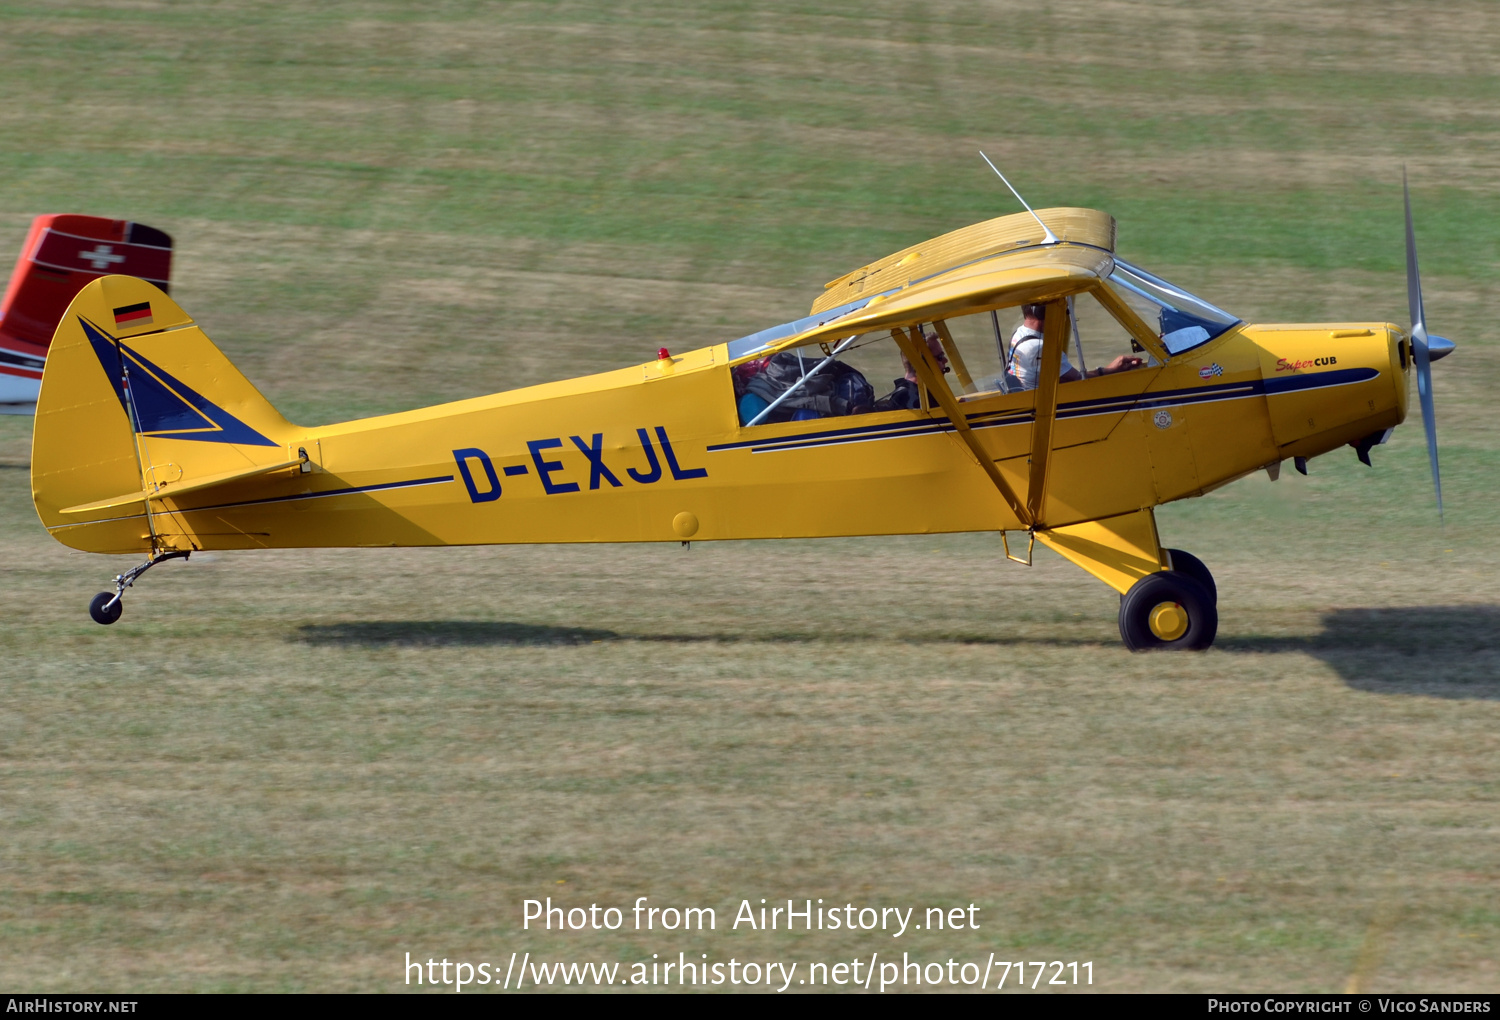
(106, 607)
(1168, 610)
(1192, 566)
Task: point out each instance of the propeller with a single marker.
(1425, 350)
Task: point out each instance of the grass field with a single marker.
(284, 771)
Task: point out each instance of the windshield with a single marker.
(1183, 320)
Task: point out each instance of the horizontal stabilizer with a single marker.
(175, 489)
(105, 504)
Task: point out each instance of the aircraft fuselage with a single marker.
(656, 452)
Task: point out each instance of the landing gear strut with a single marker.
(106, 608)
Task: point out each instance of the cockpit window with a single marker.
(1185, 321)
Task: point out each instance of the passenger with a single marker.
(908, 394)
(1026, 353)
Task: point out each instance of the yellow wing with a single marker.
(957, 248)
(996, 264)
(1035, 276)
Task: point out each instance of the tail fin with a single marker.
(62, 254)
(136, 405)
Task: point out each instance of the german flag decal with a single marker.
(134, 315)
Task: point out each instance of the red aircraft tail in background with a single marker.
(62, 253)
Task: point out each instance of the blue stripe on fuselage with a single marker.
(1073, 409)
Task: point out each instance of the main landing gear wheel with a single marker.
(1192, 566)
(1168, 610)
(106, 607)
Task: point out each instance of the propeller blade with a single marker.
(1413, 277)
(1421, 353)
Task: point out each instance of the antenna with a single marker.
(1050, 237)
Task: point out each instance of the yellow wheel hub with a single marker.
(1169, 621)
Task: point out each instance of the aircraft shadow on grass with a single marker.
(457, 633)
(425, 633)
(1429, 651)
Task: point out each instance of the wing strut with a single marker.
(1054, 340)
(931, 379)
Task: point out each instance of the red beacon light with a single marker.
(662, 354)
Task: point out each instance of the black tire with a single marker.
(1193, 567)
(102, 615)
(1172, 592)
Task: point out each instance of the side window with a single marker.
(976, 352)
(804, 384)
(1103, 337)
(879, 360)
(980, 343)
(869, 374)
(997, 350)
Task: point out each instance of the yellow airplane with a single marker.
(148, 440)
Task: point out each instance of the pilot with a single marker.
(908, 394)
(1026, 353)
